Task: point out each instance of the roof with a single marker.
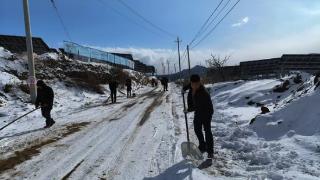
(17, 44)
(124, 55)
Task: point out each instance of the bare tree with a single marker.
(216, 64)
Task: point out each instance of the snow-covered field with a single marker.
(140, 137)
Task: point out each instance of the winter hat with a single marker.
(40, 83)
(195, 78)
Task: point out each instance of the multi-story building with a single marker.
(274, 67)
(299, 62)
(260, 68)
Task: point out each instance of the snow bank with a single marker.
(5, 53)
(282, 144)
(49, 56)
(7, 78)
(300, 117)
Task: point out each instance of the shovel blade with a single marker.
(191, 150)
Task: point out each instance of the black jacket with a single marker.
(113, 85)
(129, 84)
(189, 97)
(45, 96)
(201, 103)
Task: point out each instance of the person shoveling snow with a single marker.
(203, 111)
(44, 99)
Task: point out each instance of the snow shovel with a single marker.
(17, 119)
(188, 148)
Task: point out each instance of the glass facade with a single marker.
(91, 53)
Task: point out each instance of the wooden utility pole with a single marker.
(189, 60)
(175, 69)
(179, 41)
(32, 77)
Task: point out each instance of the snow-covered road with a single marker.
(115, 142)
(139, 138)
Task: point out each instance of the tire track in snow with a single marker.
(119, 159)
(114, 115)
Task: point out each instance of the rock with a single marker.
(250, 103)
(264, 110)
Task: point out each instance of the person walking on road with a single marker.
(113, 85)
(200, 102)
(164, 82)
(45, 97)
(129, 87)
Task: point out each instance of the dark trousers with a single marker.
(128, 93)
(190, 101)
(165, 87)
(207, 142)
(114, 96)
(46, 113)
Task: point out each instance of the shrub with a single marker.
(283, 87)
(298, 79)
(7, 88)
(250, 103)
(25, 88)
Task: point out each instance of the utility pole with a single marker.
(163, 68)
(32, 76)
(175, 69)
(189, 60)
(168, 64)
(179, 41)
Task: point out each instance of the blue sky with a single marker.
(255, 29)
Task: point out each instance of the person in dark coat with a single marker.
(202, 106)
(165, 82)
(44, 99)
(129, 87)
(153, 82)
(113, 85)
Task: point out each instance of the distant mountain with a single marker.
(200, 70)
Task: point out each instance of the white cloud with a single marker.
(242, 22)
(269, 47)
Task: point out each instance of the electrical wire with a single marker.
(146, 20)
(104, 3)
(214, 19)
(216, 25)
(61, 20)
(205, 23)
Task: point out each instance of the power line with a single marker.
(61, 20)
(128, 18)
(146, 20)
(205, 23)
(216, 24)
(214, 19)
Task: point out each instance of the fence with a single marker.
(94, 54)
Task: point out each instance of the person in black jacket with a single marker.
(44, 99)
(165, 82)
(200, 102)
(129, 87)
(113, 85)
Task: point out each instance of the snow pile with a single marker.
(282, 144)
(76, 84)
(7, 78)
(5, 53)
(300, 117)
(49, 56)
